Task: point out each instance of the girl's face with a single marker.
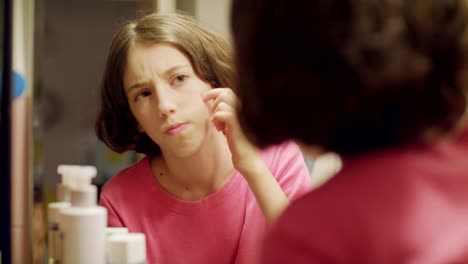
(165, 97)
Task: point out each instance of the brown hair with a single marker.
(352, 76)
(209, 54)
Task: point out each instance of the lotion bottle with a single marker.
(83, 224)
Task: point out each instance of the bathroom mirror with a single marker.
(70, 43)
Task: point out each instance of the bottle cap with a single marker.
(110, 231)
(126, 248)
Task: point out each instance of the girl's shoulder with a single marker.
(277, 156)
(285, 149)
(129, 176)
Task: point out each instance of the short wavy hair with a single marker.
(210, 56)
(351, 76)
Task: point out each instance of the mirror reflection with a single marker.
(72, 47)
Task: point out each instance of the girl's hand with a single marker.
(223, 107)
(245, 157)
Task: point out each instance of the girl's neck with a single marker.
(195, 177)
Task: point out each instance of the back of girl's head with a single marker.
(352, 76)
(209, 54)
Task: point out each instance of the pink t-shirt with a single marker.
(225, 227)
(397, 206)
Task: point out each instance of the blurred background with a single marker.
(58, 54)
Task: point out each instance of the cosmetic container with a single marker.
(126, 249)
(83, 224)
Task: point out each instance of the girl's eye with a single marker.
(142, 95)
(179, 79)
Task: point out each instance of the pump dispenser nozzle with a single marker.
(63, 188)
(83, 176)
(83, 193)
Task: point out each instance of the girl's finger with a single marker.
(222, 120)
(213, 93)
(222, 106)
(226, 98)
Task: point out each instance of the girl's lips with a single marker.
(176, 129)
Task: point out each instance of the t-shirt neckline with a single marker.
(189, 207)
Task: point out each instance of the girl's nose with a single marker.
(166, 105)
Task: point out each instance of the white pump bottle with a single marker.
(83, 224)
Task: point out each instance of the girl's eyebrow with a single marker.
(136, 85)
(174, 69)
(167, 73)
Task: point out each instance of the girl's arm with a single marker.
(246, 159)
(269, 194)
